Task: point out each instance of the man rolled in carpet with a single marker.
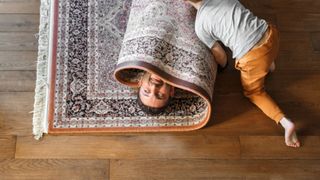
(254, 44)
(154, 94)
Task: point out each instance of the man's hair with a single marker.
(195, 1)
(151, 110)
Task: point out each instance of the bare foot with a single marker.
(272, 67)
(291, 138)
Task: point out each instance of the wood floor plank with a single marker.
(272, 6)
(267, 147)
(302, 21)
(214, 169)
(213, 152)
(316, 57)
(7, 147)
(297, 42)
(19, 22)
(18, 60)
(19, 6)
(16, 101)
(15, 116)
(316, 41)
(54, 169)
(25, 41)
(17, 81)
(128, 147)
(298, 61)
(16, 123)
(303, 80)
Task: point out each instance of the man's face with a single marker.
(153, 91)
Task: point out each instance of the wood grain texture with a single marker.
(292, 21)
(295, 42)
(284, 6)
(15, 123)
(20, 6)
(17, 81)
(16, 101)
(129, 147)
(315, 36)
(7, 147)
(18, 60)
(54, 169)
(20, 41)
(267, 147)
(19, 22)
(239, 142)
(303, 61)
(15, 116)
(214, 169)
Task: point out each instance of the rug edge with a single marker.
(41, 89)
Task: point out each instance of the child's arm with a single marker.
(219, 54)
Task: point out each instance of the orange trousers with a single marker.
(254, 66)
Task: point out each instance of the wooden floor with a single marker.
(238, 143)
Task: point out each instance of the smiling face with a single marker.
(154, 92)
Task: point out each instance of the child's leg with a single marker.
(252, 79)
(254, 67)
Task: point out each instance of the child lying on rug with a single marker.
(255, 45)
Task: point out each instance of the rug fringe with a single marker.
(41, 90)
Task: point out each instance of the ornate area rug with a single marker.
(91, 53)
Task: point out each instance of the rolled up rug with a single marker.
(86, 47)
(160, 39)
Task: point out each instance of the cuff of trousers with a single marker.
(278, 117)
